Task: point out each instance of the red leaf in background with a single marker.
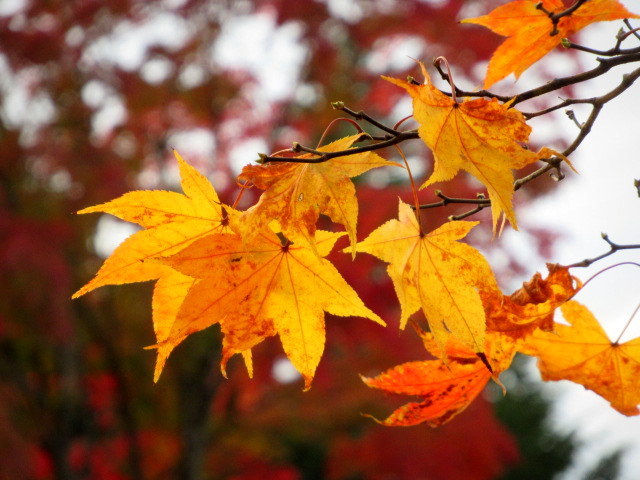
(472, 446)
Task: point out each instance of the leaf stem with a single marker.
(414, 190)
(626, 326)
(443, 60)
(335, 122)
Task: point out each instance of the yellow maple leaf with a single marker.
(297, 193)
(172, 221)
(261, 287)
(480, 136)
(529, 30)
(437, 273)
(583, 353)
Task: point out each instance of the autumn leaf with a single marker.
(529, 31)
(480, 136)
(532, 306)
(448, 384)
(435, 272)
(172, 221)
(297, 193)
(583, 353)
(262, 287)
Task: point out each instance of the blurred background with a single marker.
(93, 95)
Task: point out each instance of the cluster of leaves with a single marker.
(263, 271)
(77, 400)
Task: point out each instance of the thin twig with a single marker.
(324, 156)
(613, 248)
(363, 116)
(479, 208)
(479, 200)
(605, 64)
(572, 116)
(603, 53)
(598, 103)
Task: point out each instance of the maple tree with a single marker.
(267, 273)
(201, 252)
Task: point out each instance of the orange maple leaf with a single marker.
(261, 287)
(583, 353)
(448, 384)
(172, 221)
(480, 136)
(435, 272)
(297, 193)
(532, 306)
(529, 30)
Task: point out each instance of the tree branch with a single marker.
(605, 64)
(324, 156)
(613, 248)
(598, 103)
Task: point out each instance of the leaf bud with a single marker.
(262, 158)
(337, 105)
(565, 43)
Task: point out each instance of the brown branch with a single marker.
(603, 53)
(627, 80)
(598, 103)
(555, 17)
(324, 156)
(481, 202)
(461, 216)
(363, 116)
(605, 64)
(613, 248)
